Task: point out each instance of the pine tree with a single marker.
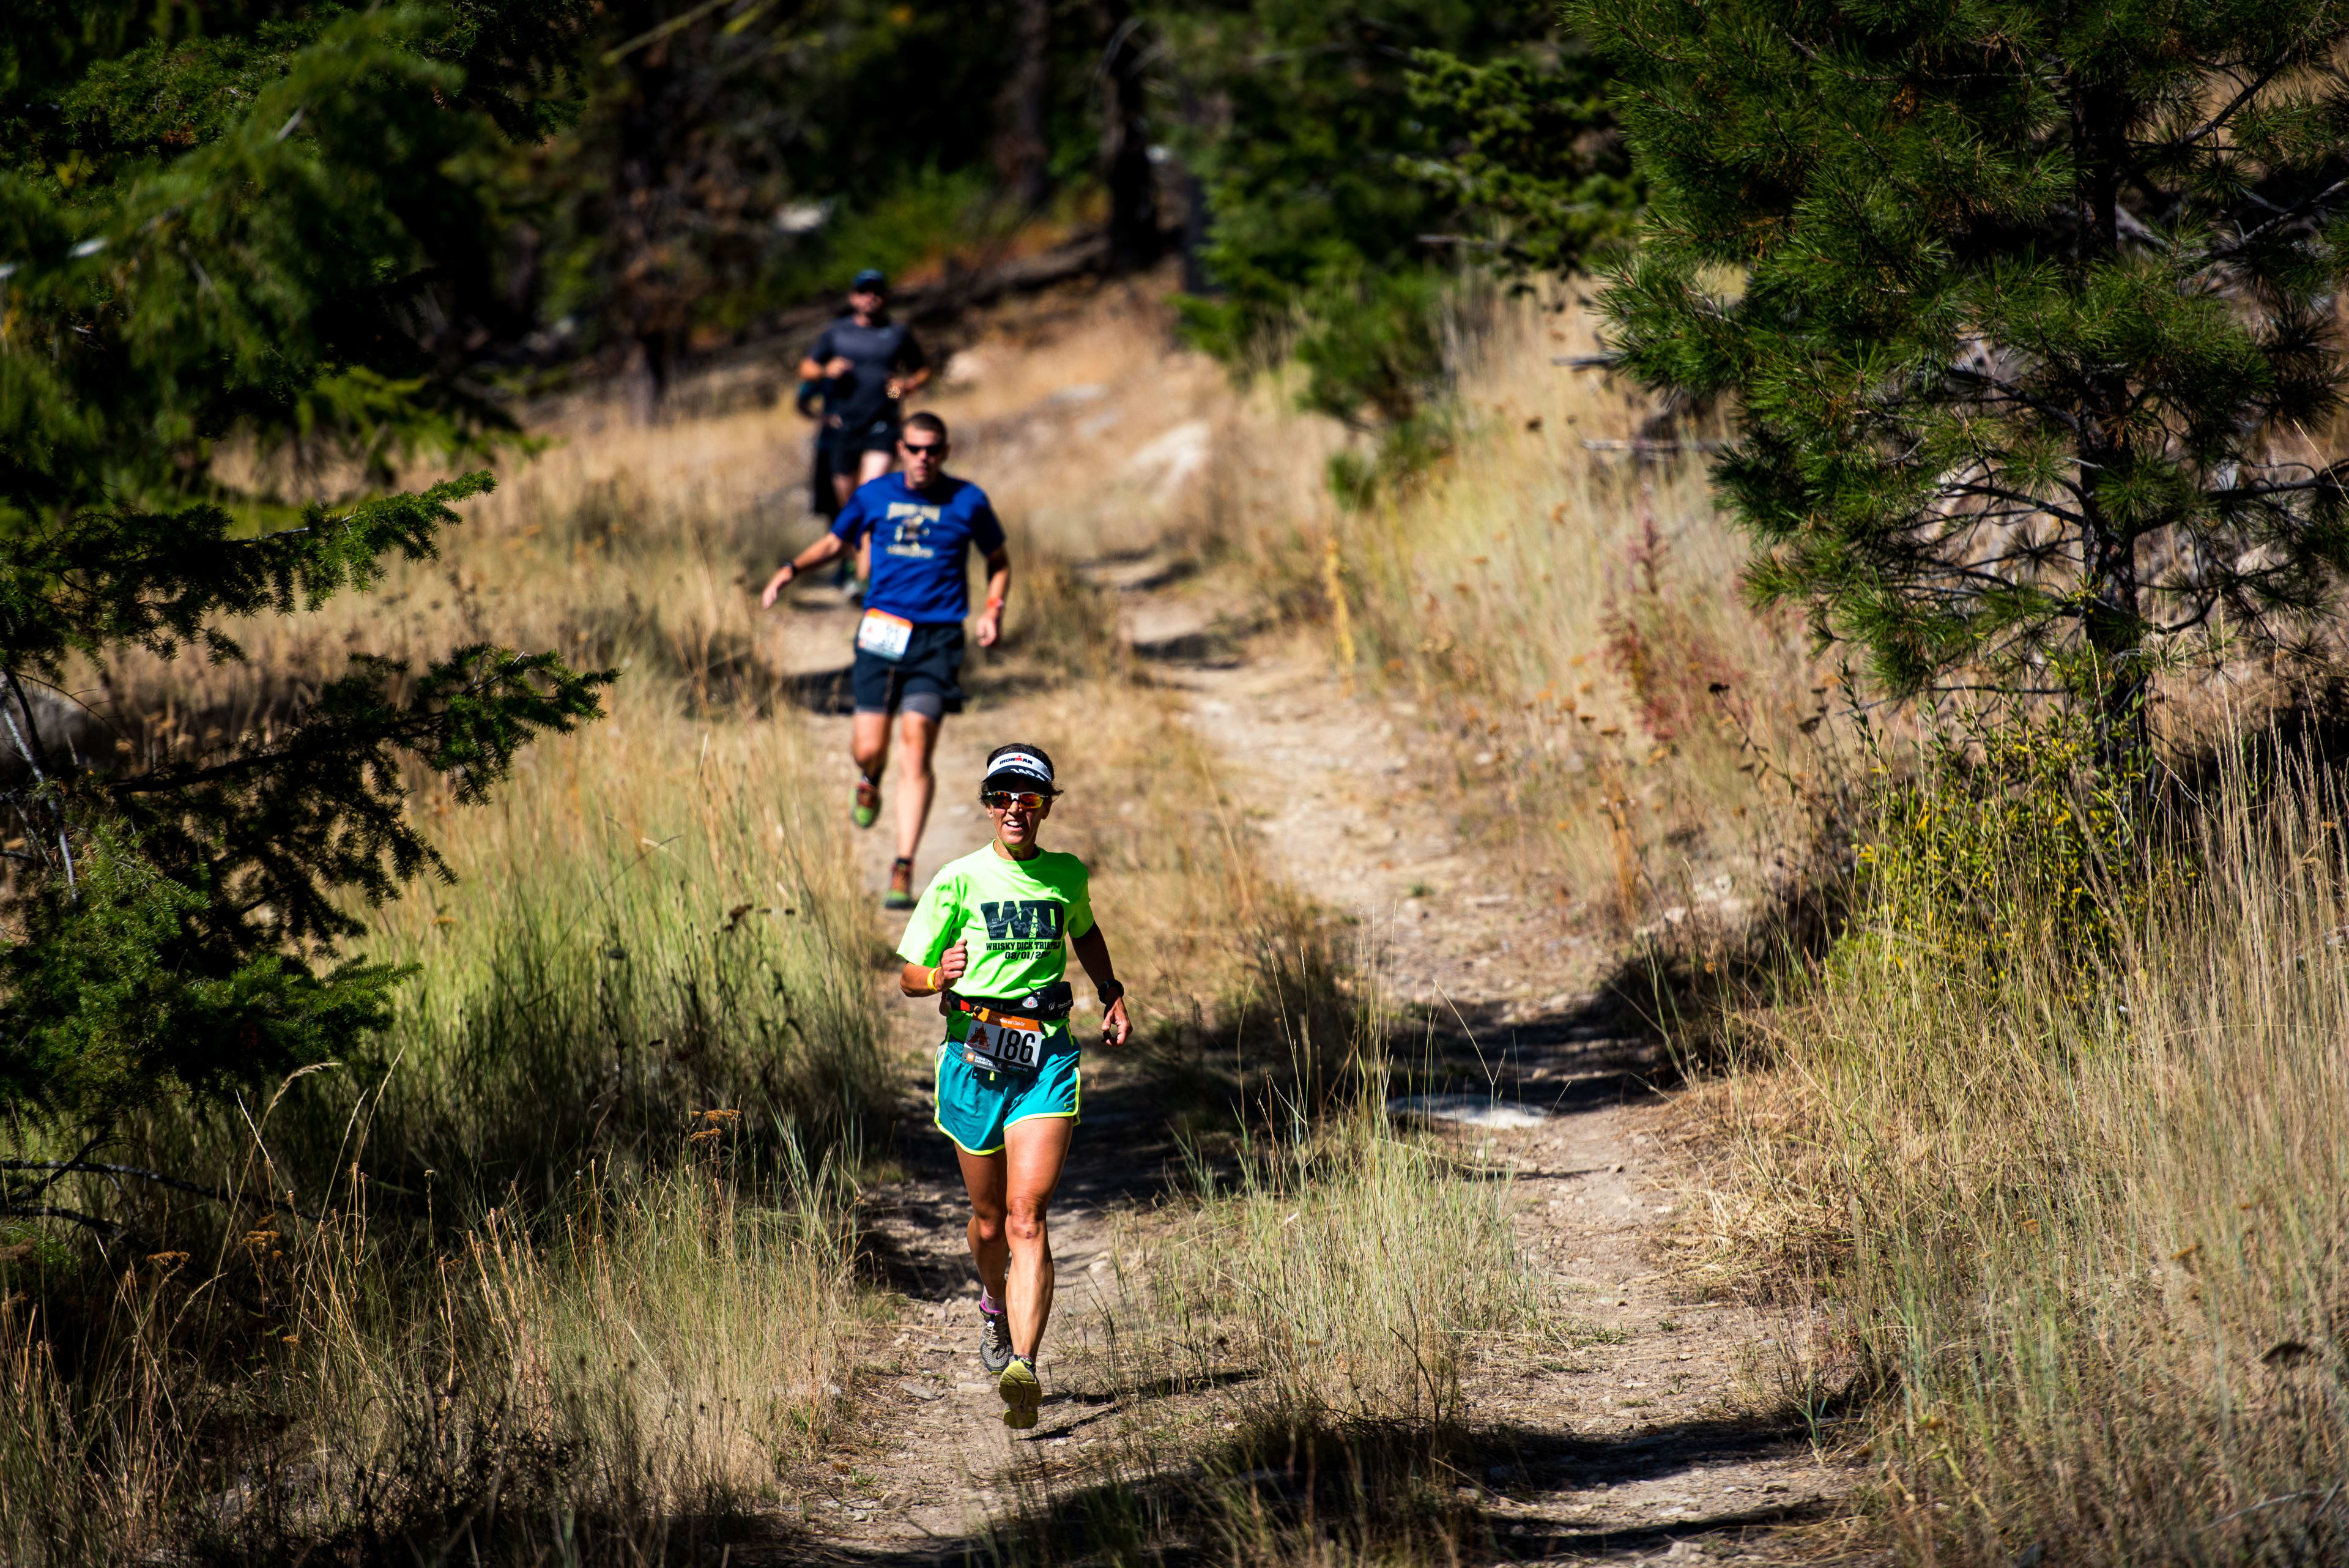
(1304, 134)
(2029, 313)
(1530, 152)
(263, 236)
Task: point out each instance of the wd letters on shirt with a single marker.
(909, 524)
(1021, 927)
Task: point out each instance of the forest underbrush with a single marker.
(2042, 1158)
(565, 1266)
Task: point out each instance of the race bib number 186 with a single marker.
(884, 634)
(1005, 1050)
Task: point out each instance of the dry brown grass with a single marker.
(1284, 1348)
(2078, 1227)
(1622, 729)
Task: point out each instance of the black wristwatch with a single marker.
(1111, 997)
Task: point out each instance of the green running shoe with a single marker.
(868, 803)
(1023, 1391)
(901, 885)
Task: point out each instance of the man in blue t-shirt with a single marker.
(923, 523)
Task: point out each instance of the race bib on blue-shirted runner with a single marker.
(1004, 1048)
(883, 635)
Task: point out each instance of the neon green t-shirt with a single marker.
(1013, 913)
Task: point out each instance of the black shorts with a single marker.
(928, 672)
(848, 443)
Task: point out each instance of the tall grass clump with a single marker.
(2061, 1129)
(668, 922)
(644, 1376)
(563, 1269)
(1287, 1348)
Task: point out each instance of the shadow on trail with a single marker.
(1601, 1052)
(1379, 1488)
(824, 691)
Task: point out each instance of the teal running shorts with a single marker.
(975, 1104)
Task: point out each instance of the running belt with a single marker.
(1040, 1006)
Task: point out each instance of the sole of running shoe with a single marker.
(1022, 1393)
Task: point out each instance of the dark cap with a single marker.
(1018, 766)
(870, 280)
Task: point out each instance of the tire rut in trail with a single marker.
(1651, 1436)
(1648, 1434)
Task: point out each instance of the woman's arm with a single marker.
(1092, 951)
(928, 980)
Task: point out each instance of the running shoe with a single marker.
(901, 885)
(868, 803)
(1023, 1391)
(994, 1341)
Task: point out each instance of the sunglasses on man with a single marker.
(925, 449)
(1005, 799)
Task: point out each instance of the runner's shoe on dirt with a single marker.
(1023, 1391)
(901, 885)
(994, 1341)
(868, 803)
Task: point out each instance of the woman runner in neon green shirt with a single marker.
(987, 938)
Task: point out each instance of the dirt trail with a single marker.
(1649, 1440)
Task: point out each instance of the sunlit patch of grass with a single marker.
(1558, 599)
(2075, 1218)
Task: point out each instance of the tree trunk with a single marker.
(2115, 635)
(1196, 217)
(2111, 624)
(640, 213)
(1022, 153)
(1134, 237)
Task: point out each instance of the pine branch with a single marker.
(70, 1167)
(107, 1231)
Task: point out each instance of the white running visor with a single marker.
(1015, 768)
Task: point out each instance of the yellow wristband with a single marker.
(937, 984)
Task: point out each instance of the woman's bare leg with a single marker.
(983, 1179)
(1034, 1151)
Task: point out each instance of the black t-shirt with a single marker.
(875, 353)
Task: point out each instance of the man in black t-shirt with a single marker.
(867, 363)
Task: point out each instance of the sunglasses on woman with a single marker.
(1004, 800)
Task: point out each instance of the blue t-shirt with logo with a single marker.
(920, 545)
